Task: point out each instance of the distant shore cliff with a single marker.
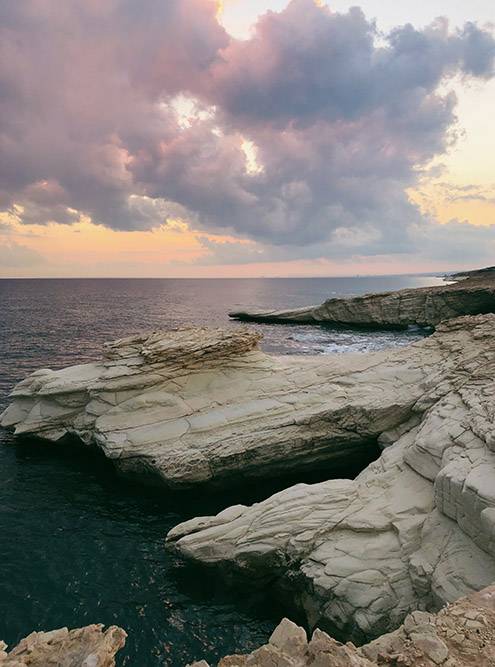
(473, 292)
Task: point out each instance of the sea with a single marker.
(81, 545)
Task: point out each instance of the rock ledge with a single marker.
(473, 294)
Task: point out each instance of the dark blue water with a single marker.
(77, 544)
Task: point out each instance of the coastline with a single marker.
(388, 435)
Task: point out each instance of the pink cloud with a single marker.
(341, 121)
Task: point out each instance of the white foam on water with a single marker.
(323, 341)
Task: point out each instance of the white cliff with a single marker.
(414, 530)
(201, 406)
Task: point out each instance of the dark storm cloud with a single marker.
(342, 118)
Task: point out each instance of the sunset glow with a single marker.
(246, 156)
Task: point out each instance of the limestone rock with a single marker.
(426, 306)
(85, 647)
(202, 406)
(413, 531)
(460, 635)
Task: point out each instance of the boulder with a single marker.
(472, 293)
(85, 647)
(414, 530)
(460, 635)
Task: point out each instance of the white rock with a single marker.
(413, 531)
(196, 406)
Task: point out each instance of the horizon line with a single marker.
(311, 277)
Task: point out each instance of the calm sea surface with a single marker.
(79, 545)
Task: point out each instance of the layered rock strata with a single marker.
(460, 635)
(414, 530)
(426, 306)
(85, 647)
(206, 406)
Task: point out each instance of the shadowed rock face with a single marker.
(472, 295)
(414, 530)
(487, 272)
(460, 635)
(206, 406)
(85, 647)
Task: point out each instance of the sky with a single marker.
(244, 138)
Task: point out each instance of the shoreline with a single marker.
(209, 355)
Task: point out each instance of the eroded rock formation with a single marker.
(414, 530)
(460, 635)
(474, 293)
(195, 406)
(85, 647)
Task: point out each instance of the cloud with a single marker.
(341, 120)
(81, 91)
(456, 240)
(426, 240)
(309, 63)
(469, 193)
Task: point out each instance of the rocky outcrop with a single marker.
(414, 530)
(195, 406)
(487, 272)
(426, 306)
(460, 635)
(85, 647)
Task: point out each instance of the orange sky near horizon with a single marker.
(88, 250)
